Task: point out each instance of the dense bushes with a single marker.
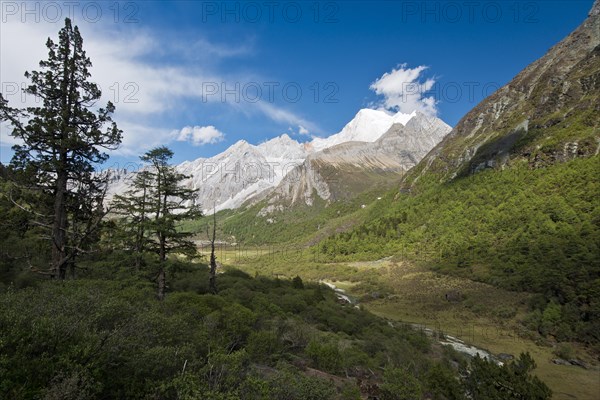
(257, 339)
(112, 339)
(511, 382)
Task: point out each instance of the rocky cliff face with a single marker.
(551, 108)
(595, 9)
(231, 178)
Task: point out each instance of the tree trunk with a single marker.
(162, 255)
(212, 280)
(140, 235)
(59, 228)
(161, 272)
(161, 282)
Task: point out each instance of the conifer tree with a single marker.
(62, 141)
(133, 207)
(154, 208)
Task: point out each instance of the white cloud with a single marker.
(139, 89)
(200, 135)
(303, 131)
(280, 115)
(403, 89)
(203, 46)
(138, 138)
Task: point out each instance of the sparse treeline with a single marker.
(52, 174)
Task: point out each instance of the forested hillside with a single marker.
(520, 229)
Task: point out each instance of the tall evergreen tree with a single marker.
(154, 208)
(133, 206)
(62, 141)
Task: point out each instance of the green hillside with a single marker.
(520, 229)
(300, 225)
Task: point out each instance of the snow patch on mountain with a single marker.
(396, 151)
(367, 126)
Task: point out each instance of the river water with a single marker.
(446, 340)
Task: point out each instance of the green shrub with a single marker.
(324, 355)
(350, 391)
(505, 312)
(297, 282)
(263, 346)
(564, 350)
(288, 384)
(399, 384)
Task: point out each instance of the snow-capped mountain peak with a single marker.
(367, 126)
(401, 118)
(282, 147)
(240, 145)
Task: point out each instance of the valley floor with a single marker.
(477, 313)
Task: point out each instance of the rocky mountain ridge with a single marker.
(549, 112)
(375, 141)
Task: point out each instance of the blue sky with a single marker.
(198, 76)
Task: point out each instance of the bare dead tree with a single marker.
(212, 280)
